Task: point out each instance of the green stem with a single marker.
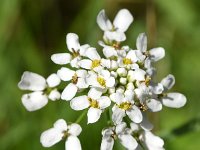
(109, 119)
(79, 119)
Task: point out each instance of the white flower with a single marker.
(94, 101)
(61, 131)
(101, 80)
(125, 105)
(174, 99)
(115, 31)
(41, 90)
(77, 79)
(147, 138)
(75, 49)
(120, 132)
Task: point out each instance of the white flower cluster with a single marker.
(120, 80)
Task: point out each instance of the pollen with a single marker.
(143, 107)
(75, 78)
(75, 53)
(147, 81)
(101, 81)
(93, 103)
(95, 63)
(125, 105)
(116, 45)
(127, 61)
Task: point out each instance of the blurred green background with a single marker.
(31, 31)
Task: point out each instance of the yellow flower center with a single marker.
(125, 105)
(75, 53)
(95, 63)
(127, 61)
(147, 81)
(75, 78)
(101, 81)
(93, 103)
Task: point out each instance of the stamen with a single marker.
(127, 61)
(95, 63)
(101, 81)
(93, 103)
(75, 79)
(125, 105)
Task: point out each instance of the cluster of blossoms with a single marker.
(120, 81)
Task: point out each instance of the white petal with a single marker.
(132, 55)
(32, 81)
(107, 143)
(65, 74)
(129, 95)
(80, 103)
(134, 127)
(103, 21)
(60, 125)
(72, 143)
(74, 62)
(120, 127)
(53, 80)
(168, 82)
(61, 58)
(83, 49)
(152, 141)
(50, 137)
(123, 20)
(141, 43)
(75, 129)
(93, 115)
(154, 105)
(114, 35)
(85, 63)
(81, 73)
(81, 83)
(157, 88)
(135, 114)
(146, 124)
(54, 95)
(138, 75)
(92, 54)
(104, 102)
(95, 93)
(69, 92)
(106, 63)
(157, 53)
(72, 41)
(128, 141)
(110, 82)
(174, 100)
(118, 115)
(34, 101)
(117, 97)
(109, 52)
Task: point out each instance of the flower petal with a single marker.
(93, 115)
(69, 92)
(137, 74)
(80, 103)
(65, 74)
(95, 93)
(123, 20)
(104, 102)
(81, 83)
(110, 82)
(120, 127)
(50, 137)
(92, 54)
(128, 141)
(74, 129)
(135, 114)
(118, 114)
(168, 82)
(32, 81)
(157, 88)
(132, 55)
(154, 105)
(109, 51)
(61, 58)
(141, 43)
(53, 80)
(72, 143)
(157, 53)
(54, 95)
(34, 101)
(85, 63)
(60, 125)
(72, 41)
(114, 36)
(174, 100)
(146, 124)
(107, 143)
(103, 21)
